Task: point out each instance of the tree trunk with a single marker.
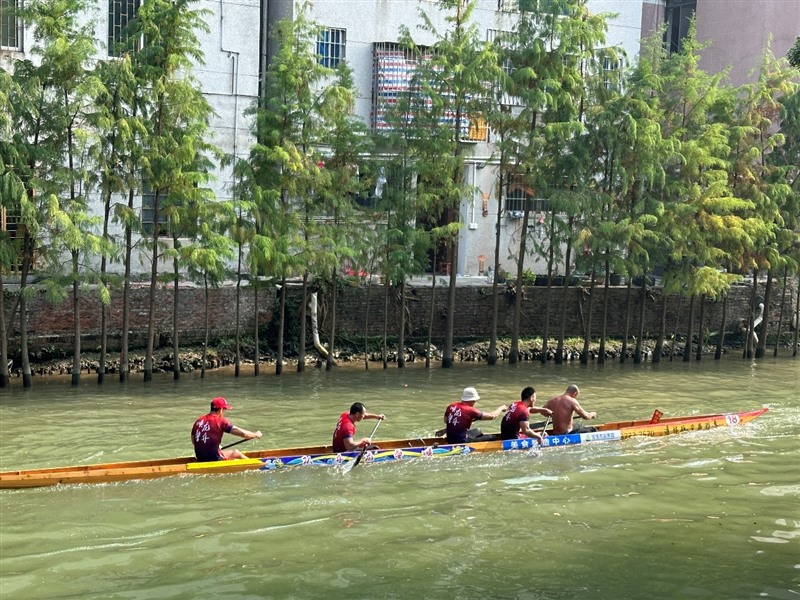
(564, 296)
(76, 324)
(430, 316)
(401, 334)
(104, 309)
(637, 353)
(587, 336)
(256, 341)
(701, 335)
(385, 350)
(687, 349)
(513, 353)
(366, 325)
(151, 319)
(796, 319)
(658, 351)
(722, 325)
(548, 297)
(329, 359)
(748, 344)
(176, 350)
(237, 357)
(27, 262)
(301, 349)
(623, 355)
(761, 349)
(4, 382)
(601, 354)
(124, 361)
(281, 328)
(780, 313)
(677, 324)
(206, 326)
(447, 357)
(491, 358)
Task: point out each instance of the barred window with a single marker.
(148, 209)
(13, 232)
(120, 13)
(331, 46)
(10, 25)
(517, 196)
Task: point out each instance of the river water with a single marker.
(711, 514)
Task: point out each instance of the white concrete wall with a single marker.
(229, 79)
(370, 21)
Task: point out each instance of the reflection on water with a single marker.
(702, 515)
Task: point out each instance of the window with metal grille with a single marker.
(10, 25)
(497, 36)
(331, 46)
(148, 209)
(120, 13)
(13, 232)
(517, 196)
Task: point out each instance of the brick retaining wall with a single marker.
(53, 325)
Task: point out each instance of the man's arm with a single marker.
(248, 435)
(488, 416)
(525, 427)
(579, 410)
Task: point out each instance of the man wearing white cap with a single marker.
(207, 434)
(459, 416)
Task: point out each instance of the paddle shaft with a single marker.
(364, 449)
(235, 443)
(546, 423)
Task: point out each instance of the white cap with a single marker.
(470, 394)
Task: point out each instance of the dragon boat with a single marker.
(390, 450)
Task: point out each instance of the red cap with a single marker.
(218, 403)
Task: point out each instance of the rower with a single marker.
(459, 416)
(564, 407)
(207, 433)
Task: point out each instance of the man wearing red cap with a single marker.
(207, 434)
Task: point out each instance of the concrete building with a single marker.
(737, 31)
(236, 50)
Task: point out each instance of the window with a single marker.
(9, 223)
(148, 209)
(330, 47)
(678, 16)
(611, 73)
(10, 25)
(499, 37)
(517, 196)
(120, 13)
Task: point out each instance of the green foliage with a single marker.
(794, 54)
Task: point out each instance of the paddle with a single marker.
(351, 465)
(546, 423)
(235, 443)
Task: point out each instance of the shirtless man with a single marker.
(563, 407)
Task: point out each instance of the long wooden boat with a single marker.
(391, 450)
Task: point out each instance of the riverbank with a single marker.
(222, 356)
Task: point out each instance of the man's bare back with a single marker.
(563, 407)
